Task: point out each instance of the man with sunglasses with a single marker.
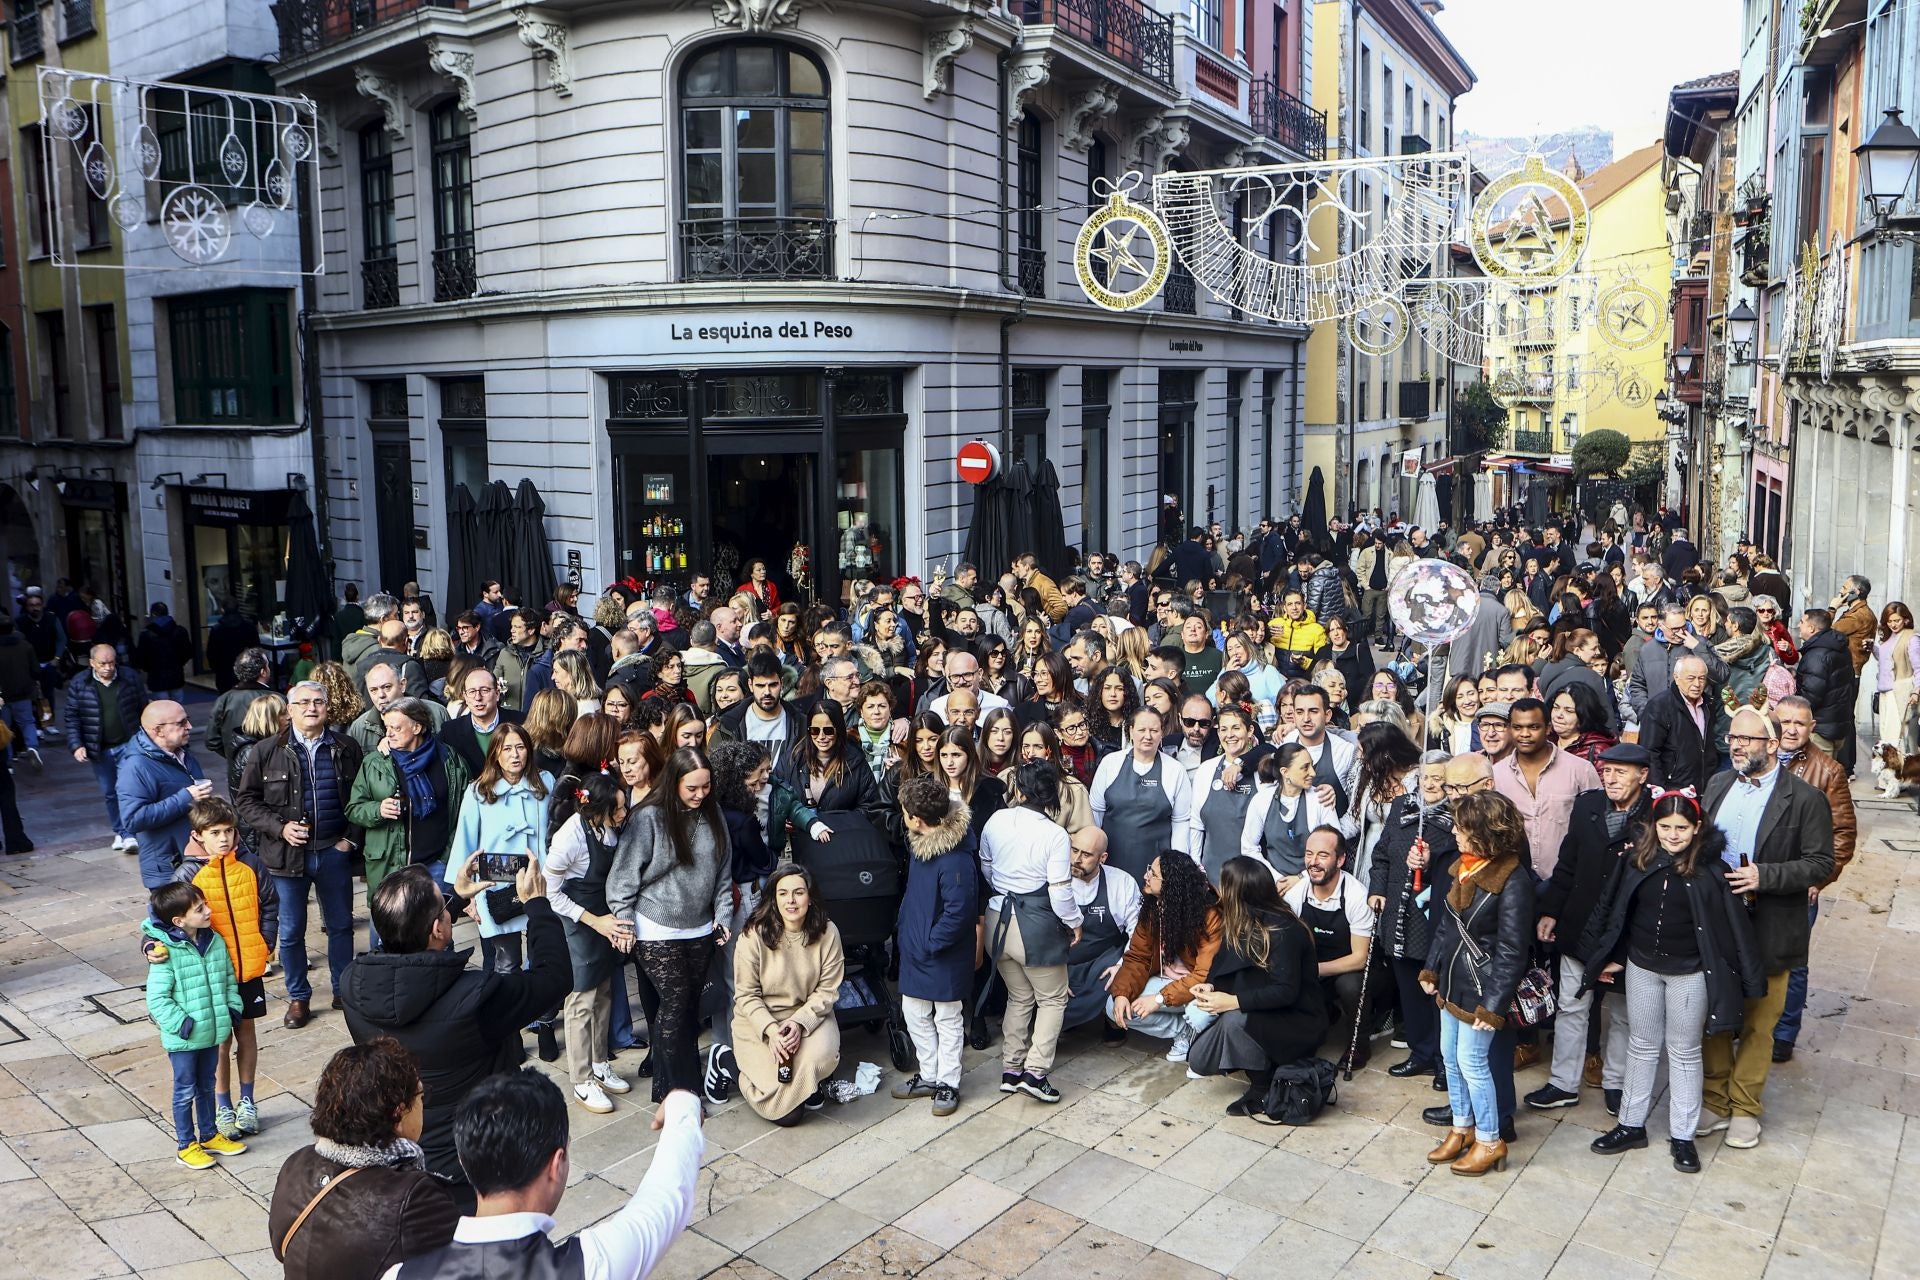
(1197, 742)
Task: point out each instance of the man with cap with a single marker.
(1603, 828)
(1490, 721)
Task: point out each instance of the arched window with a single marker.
(754, 131)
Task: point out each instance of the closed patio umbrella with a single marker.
(309, 603)
(463, 570)
(1426, 503)
(530, 555)
(1049, 521)
(493, 541)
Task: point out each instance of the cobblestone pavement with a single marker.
(1138, 1173)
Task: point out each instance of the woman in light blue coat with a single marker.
(1264, 681)
(506, 812)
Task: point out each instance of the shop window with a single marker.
(1095, 414)
(379, 237)
(106, 356)
(754, 139)
(453, 267)
(232, 358)
(463, 434)
(1029, 393)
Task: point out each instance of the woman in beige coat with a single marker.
(786, 978)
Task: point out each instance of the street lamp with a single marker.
(1741, 323)
(1683, 362)
(1887, 160)
(1569, 428)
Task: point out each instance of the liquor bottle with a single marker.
(1748, 896)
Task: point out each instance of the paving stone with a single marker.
(887, 1252)
(1025, 1162)
(1503, 1250)
(1150, 1207)
(1295, 1249)
(1018, 1238)
(1843, 1230)
(752, 1218)
(1583, 1262)
(1213, 1159)
(149, 1240)
(1087, 1182)
(1219, 1233)
(802, 1247)
(1425, 1230)
(1707, 1247)
(957, 1211)
(1091, 1253)
(1149, 1140)
(1548, 1201)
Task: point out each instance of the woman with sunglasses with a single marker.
(997, 674)
(833, 789)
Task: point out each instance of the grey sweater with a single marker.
(645, 880)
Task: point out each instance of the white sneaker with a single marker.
(590, 1096)
(603, 1072)
(1182, 1042)
(125, 844)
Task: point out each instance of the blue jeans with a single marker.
(26, 728)
(1469, 1077)
(1165, 1023)
(1787, 1030)
(106, 772)
(620, 1020)
(329, 872)
(193, 1087)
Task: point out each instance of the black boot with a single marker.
(1622, 1137)
(1440, 1116)
(1685, 1158)
(549, 1043)
(1410, 1067)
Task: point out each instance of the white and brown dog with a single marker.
(1891, 770)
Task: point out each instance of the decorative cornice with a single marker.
(548, 40)
(757, 15)
(1158, 139)
(1089, 110)
(393, 108)
(455, 62)
(326, 131)
(944, 43)
(1030, 70)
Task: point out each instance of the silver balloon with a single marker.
(1432, 601)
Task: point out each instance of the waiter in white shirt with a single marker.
(1336, 761)
(1333, 906)
(1033, 920)
(1109, 908)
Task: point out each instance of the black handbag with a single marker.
(1299, 1091)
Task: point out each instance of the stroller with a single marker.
(857, 875)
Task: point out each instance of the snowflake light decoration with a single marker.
(196, 224)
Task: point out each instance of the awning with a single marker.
(1527, 467)
(1444, 467)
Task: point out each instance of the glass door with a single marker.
(762, 504)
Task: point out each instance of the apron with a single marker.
(1139, 819)
(1103, 943)
(1042, 936)
(594, 959)
(1324, 774)
(1332, 933)
(1223, 817)
(1284, 840)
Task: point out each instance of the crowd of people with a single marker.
(1212, 801)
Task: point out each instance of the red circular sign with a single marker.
(978, 462)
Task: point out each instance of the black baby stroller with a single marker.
(857, 875)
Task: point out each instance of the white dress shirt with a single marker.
(1021, 851)
(1123, 896)
(1179, 789)
(988, 701)
(633, 1241)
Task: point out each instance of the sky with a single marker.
(1546, 65)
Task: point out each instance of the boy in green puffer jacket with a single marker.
(194, 1000)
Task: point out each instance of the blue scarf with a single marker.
(413, 766)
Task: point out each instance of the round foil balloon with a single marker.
(1432, 601)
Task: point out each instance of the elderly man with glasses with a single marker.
(159, 781)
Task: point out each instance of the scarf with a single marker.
(413, 766)
(395, 1153)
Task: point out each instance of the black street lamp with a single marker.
(1887, 161)
(1741, 323)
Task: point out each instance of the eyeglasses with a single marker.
(309, 702)
(1749, 739)
(1460, 788)
(1196, 724)
(1764, 613)
(1076, 726)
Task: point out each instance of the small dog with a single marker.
(1893, 770)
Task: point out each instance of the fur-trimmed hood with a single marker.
(945, 838)
(1493, 878)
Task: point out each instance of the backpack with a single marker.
(1299, 1091)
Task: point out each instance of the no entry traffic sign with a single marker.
(978, 462)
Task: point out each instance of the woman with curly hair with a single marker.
(344, 703)
(1481, 940)
(1389, 764)
(1110, 707)
(1171, 951)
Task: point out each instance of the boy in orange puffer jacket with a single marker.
(246, 915)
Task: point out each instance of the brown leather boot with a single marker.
(1482, 1157)
(296, 1014)
(1451, 1147)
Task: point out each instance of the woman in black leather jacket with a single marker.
(1481, 935)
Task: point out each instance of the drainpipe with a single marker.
(310, 369)
(1008, 278)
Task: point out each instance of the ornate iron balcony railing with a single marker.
(1124, 30)
(380, 283)
(1287, 120)
(307, 26)
(757, 248)
(453, 275)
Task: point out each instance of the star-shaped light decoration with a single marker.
(1116, 249)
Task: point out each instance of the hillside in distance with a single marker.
(1592, 146)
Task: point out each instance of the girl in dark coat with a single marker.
(939, 932)
(1262, 988)
(1691, 963)
(1409, 840)
(1482, 935)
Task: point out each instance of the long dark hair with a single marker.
(961, 737)
(1181, 906)
(805, 758)
(1589, 716)
(924, 722)
(665, 797)
(1709, 842)
(1385, 756)
(766, 920)
(1097, 713)
(1249, 904)
(596, 798)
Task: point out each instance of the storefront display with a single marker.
(237, 557)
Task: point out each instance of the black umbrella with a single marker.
(1050, 522)
(309, 600)
(530, 555)
(463, 571)
(1313, 515)
(493, 541)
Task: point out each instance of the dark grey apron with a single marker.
(1103, 943)
(1332, 931)
(1284, 840)
(1223, 818)
(594, 959)
(1325, 774)
(1139, 818)
(1042, 936)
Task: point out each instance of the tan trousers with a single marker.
(588, 1014)
(1736, 1077)
(1035, 997)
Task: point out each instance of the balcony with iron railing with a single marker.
(1033, 272)
(1179, 296)
(380, 283)
(308, 26)
(757, 248)
(1540, 442)
(453, 274)
(1124, 30)
(1285, 119)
